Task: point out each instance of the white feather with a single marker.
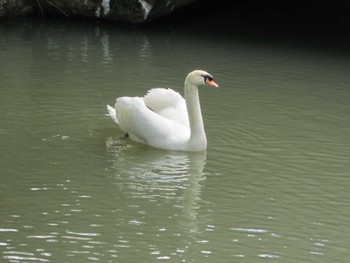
(167, 103)
(112, 113)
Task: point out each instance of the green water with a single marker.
(273, 185)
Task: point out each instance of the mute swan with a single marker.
(163, 118)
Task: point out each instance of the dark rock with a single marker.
(131, 11)
(10, 9)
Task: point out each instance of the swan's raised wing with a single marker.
(168, 104)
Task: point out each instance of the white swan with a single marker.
(163, 119)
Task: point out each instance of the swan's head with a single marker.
(201, 77)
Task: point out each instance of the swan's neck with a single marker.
(198, 138)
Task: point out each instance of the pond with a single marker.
(272, 186)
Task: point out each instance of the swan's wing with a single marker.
(157, 99)
(167, 103)
(137, 119)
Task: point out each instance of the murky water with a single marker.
(272, 186)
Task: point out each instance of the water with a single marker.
(272, 185)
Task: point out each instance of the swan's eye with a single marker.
(207, 77)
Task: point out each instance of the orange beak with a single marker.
(211, 83)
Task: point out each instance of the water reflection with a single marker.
(109, 46)
(162, 178)
(107, 54)
(154, 174)
(75, 43)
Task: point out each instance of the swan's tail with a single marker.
(112, 113)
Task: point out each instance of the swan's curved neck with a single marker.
(198, 137)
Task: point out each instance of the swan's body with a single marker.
(163, 118)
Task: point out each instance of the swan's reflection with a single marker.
(157, 175)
